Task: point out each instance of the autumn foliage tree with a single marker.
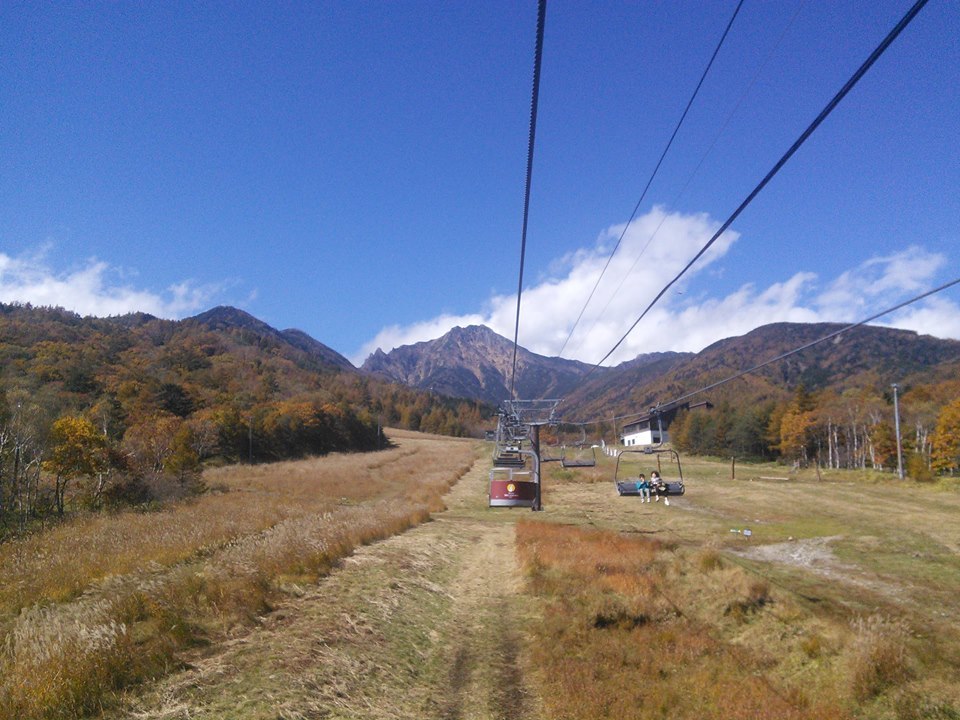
(77, 451)
(796, 432)
(946, 439)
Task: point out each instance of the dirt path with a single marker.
(423, 625)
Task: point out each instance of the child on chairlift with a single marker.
(643, 487)
(657, 485)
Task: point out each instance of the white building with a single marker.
(651, 429)
(640, 432)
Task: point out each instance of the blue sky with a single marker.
(356, 169)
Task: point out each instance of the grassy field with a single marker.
(109, 601)
(840, 602)
(269, 598)
(427, 624)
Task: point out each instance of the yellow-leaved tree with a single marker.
(798, 427)
(77, 450)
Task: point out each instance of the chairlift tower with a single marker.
(520, 420)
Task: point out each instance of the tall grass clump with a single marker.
(878, 655)
(57, 664)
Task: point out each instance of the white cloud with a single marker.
(937, 316)
(879, 283)
(684, 320)
(550, 307)
(93, 289)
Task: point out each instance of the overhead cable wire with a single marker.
(801, 348)
(656, 169)
(696, 170)
(541, 17)
(810, 344)
(847, 87)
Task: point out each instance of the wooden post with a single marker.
(733, 468)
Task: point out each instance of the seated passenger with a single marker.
(658, 484)
(643, 488)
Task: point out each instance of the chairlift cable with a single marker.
(805, 346)
(656, 169)
(541, 16)
(696, 170)
(829, 336)
(804, 136)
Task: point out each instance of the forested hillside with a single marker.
(831, 403)
(96, 411)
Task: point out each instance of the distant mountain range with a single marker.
(226, 352)
(475, 362)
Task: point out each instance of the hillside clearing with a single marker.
(842, 596)
(108, 603)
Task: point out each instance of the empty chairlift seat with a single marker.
(509, 456)
(584, 457)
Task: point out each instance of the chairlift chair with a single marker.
(507, 454)
(586, 454)
(511, 487)
(630, 464)
(582, 459)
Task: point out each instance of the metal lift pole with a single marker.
(535, 449)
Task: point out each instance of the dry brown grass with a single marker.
(878, 655)
(617, 641)
(822, 554)
(103, 602)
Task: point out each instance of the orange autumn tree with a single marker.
(946, 439)
(797, 427)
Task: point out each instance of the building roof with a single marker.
(666, 414)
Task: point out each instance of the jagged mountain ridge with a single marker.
(476, 362)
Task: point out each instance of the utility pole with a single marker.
(896, 429)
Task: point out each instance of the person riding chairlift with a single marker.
(643, 488)
(657, 485)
